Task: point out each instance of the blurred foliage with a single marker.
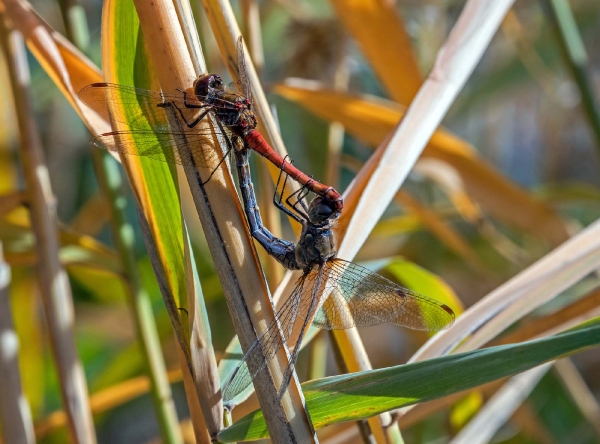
(522, 115)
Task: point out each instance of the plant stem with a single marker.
(53, 281)
(565, 27)
(15, 414)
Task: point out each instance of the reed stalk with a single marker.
(571, 44)
(15, 414)
(224, 226)
(53, 282)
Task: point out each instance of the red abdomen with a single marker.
(257, 142)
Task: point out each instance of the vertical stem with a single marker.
(335, 136)
(565, 27)
(15, 415)
(54, 284)
(109, 179)
(226, 231)
(252, 35)
(363, 426)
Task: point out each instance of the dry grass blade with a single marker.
(11, 201)
(67, 66)
(436, 225)
(252, 33)
(15, 415)
(54, 284)
(495, 413)
(580, 311)
(379, 30)
(580, 392)
(389, 166)
(92, 217)
(103, 401)
(226, 31)
(450, 182)
(540, 283)
(440, 229)
(511, 301)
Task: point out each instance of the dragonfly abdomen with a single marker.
(257, 142)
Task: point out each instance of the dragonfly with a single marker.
(333, 293)
(152, 115)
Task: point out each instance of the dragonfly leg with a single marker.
(190, 105)
(300, 196)
(229, 149)
(197, 120)
(278, 197)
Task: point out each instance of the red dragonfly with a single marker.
(151, 115)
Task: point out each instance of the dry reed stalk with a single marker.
(226, 232)
(498, 410)
(54, 284)
(15, 415)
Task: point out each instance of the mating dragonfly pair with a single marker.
(332, 293)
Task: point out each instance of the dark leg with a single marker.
(229, 149)
(300, 196)
(195, 122)
(278, 197)
(189, 105)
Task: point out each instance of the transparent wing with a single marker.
(144, 109)
(294, 310)
(243, 72)
(136, 108)
(361, 298)
(164, 146)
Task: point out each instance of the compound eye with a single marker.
(319, 211)
(217, 82)
(202, 85)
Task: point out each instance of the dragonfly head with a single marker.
(207, 83)
(320, 211)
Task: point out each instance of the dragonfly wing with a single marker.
(243, 72)
(294, 309)
(163, 146)
(360, 298)
(137, 108)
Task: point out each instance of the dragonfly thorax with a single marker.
(315, 246)
(235, 112)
